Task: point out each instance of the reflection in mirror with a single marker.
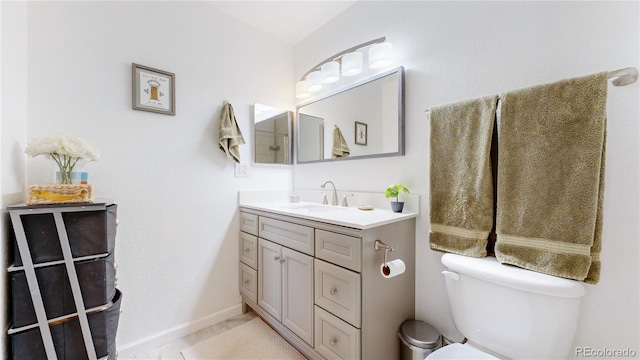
(272, 135)
(368, 115)
(311, 134)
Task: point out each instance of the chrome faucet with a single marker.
(334, 200)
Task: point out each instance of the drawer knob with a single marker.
(246, 282)
(333, 341)
(333, 291)
(281, 261)
(276, 258)
(247, 250)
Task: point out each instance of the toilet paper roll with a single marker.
(393, 268)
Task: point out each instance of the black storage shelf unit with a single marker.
(65, 304)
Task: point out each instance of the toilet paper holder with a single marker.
(379, 245)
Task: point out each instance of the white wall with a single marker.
(459, 50)
(13, 129)
(176, 245)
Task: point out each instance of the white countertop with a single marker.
(344, 216)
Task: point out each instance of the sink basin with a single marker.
(314, 207)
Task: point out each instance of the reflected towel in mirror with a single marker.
(340, 147)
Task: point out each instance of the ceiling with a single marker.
(290, 21)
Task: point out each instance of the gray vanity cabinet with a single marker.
(319, 284)
(270, 278)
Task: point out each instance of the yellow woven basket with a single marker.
(59, 194)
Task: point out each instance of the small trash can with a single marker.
(418, 339)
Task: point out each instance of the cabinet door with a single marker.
(270, 277)
(297, 294)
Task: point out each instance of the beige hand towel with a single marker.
(230, 136)
(550, 177)
(340, 147)
(461, 194)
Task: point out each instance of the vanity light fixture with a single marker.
(301, 90)
(330, 72)
(314, 81)
(380, 55)
(352, 63)
(345, 63)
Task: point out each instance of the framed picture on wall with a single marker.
(153, 90)
(361, 133)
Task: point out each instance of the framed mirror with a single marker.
(366, 120)
(272, 135)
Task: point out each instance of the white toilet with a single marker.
(506, 312)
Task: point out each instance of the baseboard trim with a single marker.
(129, 350)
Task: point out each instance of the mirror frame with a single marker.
(401, 146)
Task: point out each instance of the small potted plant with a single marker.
(394, 191)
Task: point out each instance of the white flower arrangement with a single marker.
(65, 150)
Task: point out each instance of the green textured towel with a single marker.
(461, 188)
(230, 136)
(340, 147)
(550, 177)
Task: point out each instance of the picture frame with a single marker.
(153, 90)
(361, 133)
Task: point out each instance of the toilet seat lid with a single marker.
(459, 351)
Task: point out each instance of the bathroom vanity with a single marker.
(312, 273)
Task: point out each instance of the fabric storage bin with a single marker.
(97, 284)
(90, 232)
(67, 336)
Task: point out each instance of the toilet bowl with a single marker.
(506, 312)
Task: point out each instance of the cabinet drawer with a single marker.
(249, 282)
(337, 290)
(248, 249)
(294, 236)
(342, 250)
(334, 338)
(249, 223)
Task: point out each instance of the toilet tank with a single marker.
(516, 313)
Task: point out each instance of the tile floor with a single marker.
(171, 351)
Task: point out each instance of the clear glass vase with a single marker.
(70, 175)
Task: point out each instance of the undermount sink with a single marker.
(314, 207)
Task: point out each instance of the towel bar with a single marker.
(624, 76)
(620, 77)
